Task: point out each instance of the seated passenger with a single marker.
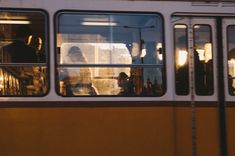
(18, 51)
(126, 85)
(230, 85)
(79, 81)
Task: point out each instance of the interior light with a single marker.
(14, 22)
(201, 54)
(231, 64)
(99, 23)
(180, 26)
(208, 52)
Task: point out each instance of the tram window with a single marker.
(105, 54)
(231, 58)
(203, 62)
(181, 60)
(23, 62)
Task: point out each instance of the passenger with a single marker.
(36, 43)
(182, 72)
(126, 85)
(230, 85)
(182, 80)
(199, 75)
(18, 51)
(209, 77)
(79, 80)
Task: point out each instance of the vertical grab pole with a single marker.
(221, 95)
(192, 86)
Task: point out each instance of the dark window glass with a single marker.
(23, 62)
(181, 60)
(203, 62)
(231, 58)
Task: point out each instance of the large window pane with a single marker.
(203, 62)
(231, 58)
(181, 60)
(108, 47)
(23, 61)
(93, 81)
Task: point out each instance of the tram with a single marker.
(117, 77)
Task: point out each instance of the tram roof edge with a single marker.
(205, 1)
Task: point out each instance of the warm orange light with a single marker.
(208, 52)
(231, 66)
(182, 57)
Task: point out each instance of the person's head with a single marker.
(76, 55)
(122, 79)
(23, 31)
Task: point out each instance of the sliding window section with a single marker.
(110, 54)
(203, 60)
(23, 53)
(181, 60)
(231, 58)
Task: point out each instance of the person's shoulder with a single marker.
(8, 46)
(29, 49)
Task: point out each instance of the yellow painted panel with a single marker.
(230, 117)
(87, 131)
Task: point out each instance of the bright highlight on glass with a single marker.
(99, 23)
(182, 57)
(14, 22)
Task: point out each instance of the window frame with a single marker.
(213, 58)
(227, 58)
(191, 20)
(46, 64)
(174, 42)
(80, 12)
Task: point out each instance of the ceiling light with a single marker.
(99, 23)
(14, 22)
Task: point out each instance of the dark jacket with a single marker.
(20, 52)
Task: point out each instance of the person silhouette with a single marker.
(230, 85)
(18, 51)
(126, 84)
(199, 75)
(79, 80)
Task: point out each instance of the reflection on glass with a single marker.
(231, 59)
(23, 81)
(23, 70)
(111, 81)
(22, 42)
(96, 53)
(110, 44)
(181, 60)
(203, 62)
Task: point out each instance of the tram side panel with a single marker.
(230, 116)
(206, 131)
(108, 131)
(87, 131)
